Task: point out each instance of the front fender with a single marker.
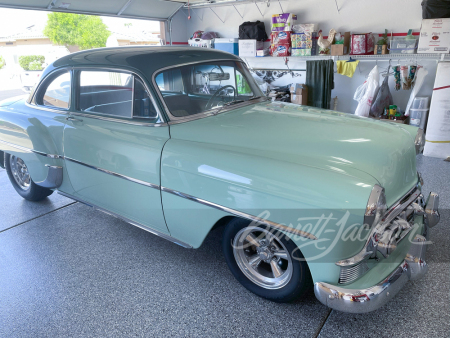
(283, 192)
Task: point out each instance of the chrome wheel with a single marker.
(262, 257)
(20, 172)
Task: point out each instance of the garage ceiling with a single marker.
(135, 9)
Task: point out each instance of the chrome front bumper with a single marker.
(413, 267)
(370, 299)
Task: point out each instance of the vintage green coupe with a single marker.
(178, 141)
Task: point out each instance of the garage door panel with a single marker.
(143, 9)
(102, 6)
(26, 3)
(151, 8)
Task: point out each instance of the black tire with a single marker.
(33, 193)
(300, 279)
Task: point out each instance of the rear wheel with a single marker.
(21, 180)
(265, 261)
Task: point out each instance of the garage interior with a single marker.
(69, 270)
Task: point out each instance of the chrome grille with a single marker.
(350, 274)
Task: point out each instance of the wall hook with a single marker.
(216, 15)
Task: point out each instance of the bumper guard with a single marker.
(370, 299)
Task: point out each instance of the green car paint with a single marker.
(291, 161)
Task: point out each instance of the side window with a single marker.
(104, 92)
(143, 106)
(170, 81)
(57, 93)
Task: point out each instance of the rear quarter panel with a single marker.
(23, 125)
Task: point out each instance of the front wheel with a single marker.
(265, 261)
(21, 180)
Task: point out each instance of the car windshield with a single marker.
(203, 87)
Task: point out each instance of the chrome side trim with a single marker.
(54, 178)
(136, 224)
(369, 299)
(241, 214)
(112, 173)
(28, 150)
(112, 119)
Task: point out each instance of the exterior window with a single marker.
(107, 93)
(143, 106)
(205, 87)
(57, 93)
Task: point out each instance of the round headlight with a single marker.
(419, 141)
(376, 206)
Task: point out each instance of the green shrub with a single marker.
(25, 60)
(2, 62)
(35, 65)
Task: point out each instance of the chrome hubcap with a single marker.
(262, 257)
(20, 172)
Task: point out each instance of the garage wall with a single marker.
(357, 16)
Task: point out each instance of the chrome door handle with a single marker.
(71, 118)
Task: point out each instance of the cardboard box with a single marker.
(337, 50)
(380, 50)
(434, 36)
(299, 94)
(342, 49)
(301, 52)
(248, 48)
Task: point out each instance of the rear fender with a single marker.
(35, 135)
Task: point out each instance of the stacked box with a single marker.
(281, 50)
(280, 43)
(283, 22)
(304, 44)
(301, 52)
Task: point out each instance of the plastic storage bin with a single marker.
(227, 45)
(421, 102)
(201, 43)
(403, 46)
(419, 112)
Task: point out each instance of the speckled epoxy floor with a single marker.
(67, 270)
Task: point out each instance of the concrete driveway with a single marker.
(67, 270)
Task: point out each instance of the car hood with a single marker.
(320, 138)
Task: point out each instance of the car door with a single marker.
(113, 140)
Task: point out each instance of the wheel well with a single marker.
(222, 222)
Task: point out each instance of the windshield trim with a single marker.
(211, 112)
